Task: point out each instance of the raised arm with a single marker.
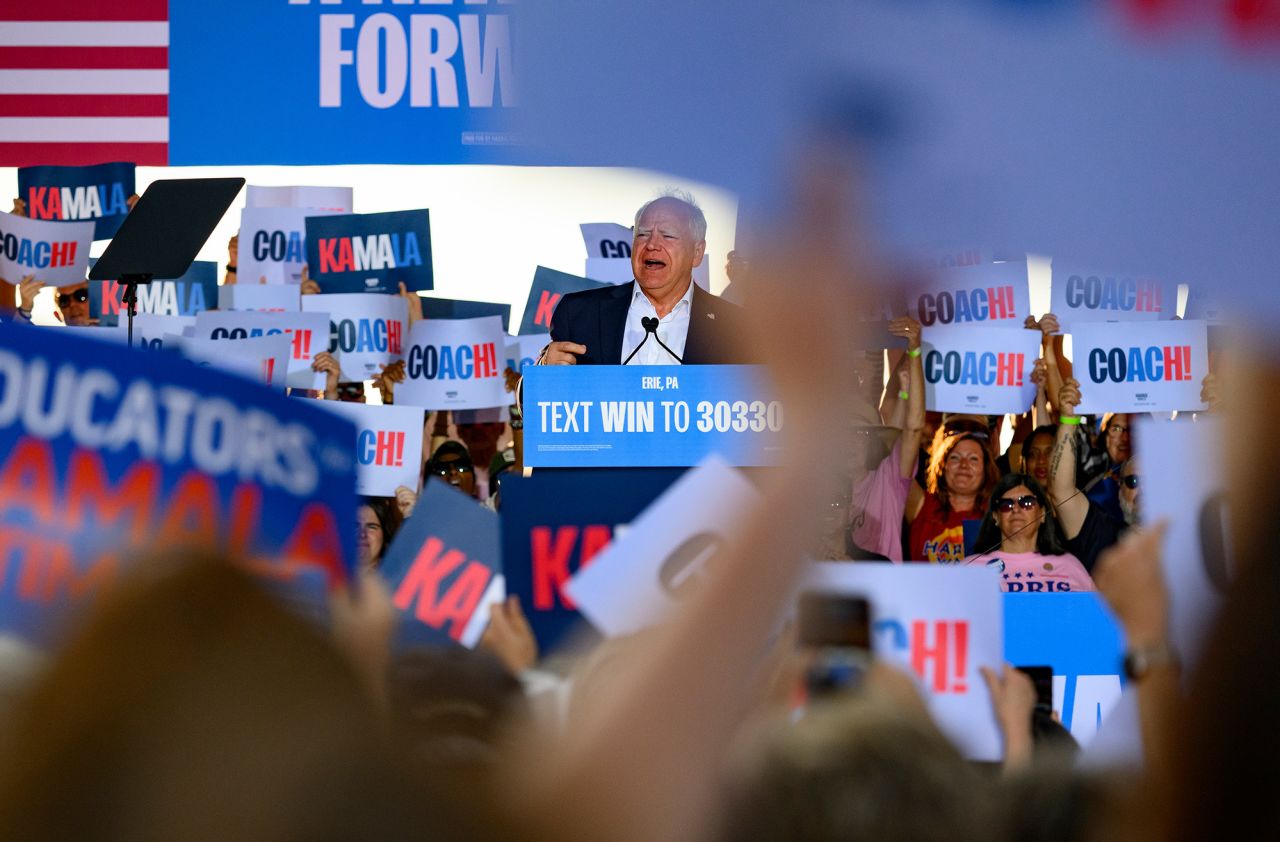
(1072, 505)
(913, 423)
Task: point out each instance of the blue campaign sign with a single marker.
(445, 568)
(195, 292)
(598, 416)
(456, 308)
(548, 287)
(370, 252)
(391, 84)
(79, 194)
(1077, 636)
(107, 453)
(554, 523)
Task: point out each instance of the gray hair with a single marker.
(697, 219)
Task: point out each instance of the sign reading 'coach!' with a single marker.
(307, 332)
(273, 244)
(1156, 367)
(98, 194)
(1080, 295)
(992, 294)
(455, 364)
(370, 252)
(105, 453)
(366, 332)
(979, 369)
(56, 253)
(388, 446)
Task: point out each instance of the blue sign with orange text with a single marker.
(107, 454)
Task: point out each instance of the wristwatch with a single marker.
(1139, 662)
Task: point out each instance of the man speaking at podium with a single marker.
(662, 317)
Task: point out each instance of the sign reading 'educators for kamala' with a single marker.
(978, 369)
(157, 455)
(649, 416)
(1147, 367)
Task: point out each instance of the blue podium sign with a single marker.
(649, 416)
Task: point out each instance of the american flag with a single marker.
(83, 82)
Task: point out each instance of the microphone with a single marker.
(650, 325)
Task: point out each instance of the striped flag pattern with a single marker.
(84, 82)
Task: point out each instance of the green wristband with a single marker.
(1070, 422)
(914, 352)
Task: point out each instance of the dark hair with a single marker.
(946, 441)
(1050, 430)
(387, 511)
(1049, 540)
(450, 448)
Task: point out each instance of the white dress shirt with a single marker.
(673, 329)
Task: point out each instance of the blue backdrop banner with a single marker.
(339, 83)
(648, 416)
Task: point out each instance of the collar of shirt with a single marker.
(673, 329)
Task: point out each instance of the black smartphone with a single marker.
(837, 629)
(1042, 677)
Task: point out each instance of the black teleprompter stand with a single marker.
(163, 233)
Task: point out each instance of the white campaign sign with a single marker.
(1083, 295)
(606, 240)
(1140, 367)
(455, 364)
(331, 199)
(524, 350)
(264, 359)
(941, 624)
(273, 244)
(1197, 564)
(150, 329)
(56, 253)
(307, 334)
(979, 369)
(992, 294)
(640, 577)
(388, 446)
(266, 298)
(366, 330)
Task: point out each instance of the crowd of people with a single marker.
(188, 703)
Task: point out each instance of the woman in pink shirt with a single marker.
(1021, 538)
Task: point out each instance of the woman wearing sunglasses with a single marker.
(1020, 536)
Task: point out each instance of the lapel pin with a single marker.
(711, 315)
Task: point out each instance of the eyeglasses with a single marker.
(1117, 430)
(350, 391)
(1005, 504)
(80, 295)
(1130, 482)
(443, 469)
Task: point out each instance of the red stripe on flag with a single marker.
(84, 10)
(82, 154)
(84, 105)
(85, 58)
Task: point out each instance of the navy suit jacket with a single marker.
(597, 319)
